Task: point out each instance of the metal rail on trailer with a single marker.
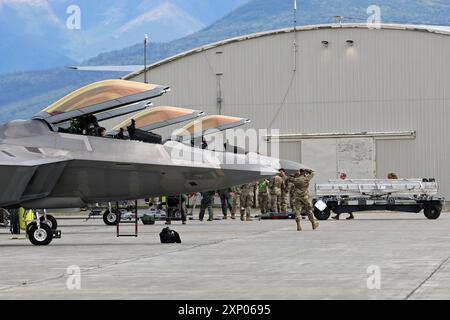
(404, 195)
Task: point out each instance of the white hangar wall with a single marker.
(391, 80)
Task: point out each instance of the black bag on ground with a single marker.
(169, 236)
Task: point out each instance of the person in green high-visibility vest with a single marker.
(25, 218)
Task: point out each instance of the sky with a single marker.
(75, 30)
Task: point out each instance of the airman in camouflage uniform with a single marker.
(276, 184)
(301, 182)
(263, 195)
(291, 189)
(225, 202)
(207, 203)
(284, 192)
(236, 203)
(247, 194)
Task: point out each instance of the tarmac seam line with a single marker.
(439, 267)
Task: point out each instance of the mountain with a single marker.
(35, 34)
(263, 15)
(24, 93)
(24, 43)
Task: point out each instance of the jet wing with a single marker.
(26, 174)
(158, 117)
(208, 125)
(101, 97)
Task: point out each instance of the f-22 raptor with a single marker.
(59, 159)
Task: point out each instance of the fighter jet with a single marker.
(63, 158)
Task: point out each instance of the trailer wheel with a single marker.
(110, 218)
(432, 212)
(41, 236)
(322, 215)
(51, 221)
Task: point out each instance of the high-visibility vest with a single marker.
(25, 218)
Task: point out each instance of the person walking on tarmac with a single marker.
(284, 192)
(176, 204)
(225, 202)
(344, 201)
(206, 203)
(263, 196)
(301, 182)
(247, 200)
(14, 226)
(236, 202)
(276, 185)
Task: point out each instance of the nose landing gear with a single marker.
(40, 235)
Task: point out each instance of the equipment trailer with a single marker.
(404, 195)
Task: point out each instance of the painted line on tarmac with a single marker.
(439, 267)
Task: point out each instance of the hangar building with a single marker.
(345, 98)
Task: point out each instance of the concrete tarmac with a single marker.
(375, 256)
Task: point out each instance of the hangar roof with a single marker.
(445, 30)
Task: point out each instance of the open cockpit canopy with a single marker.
(100, 98)
(208, 125)
(158, 117)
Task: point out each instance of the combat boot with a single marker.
(242, 217)
(248, 218)
(299, 227)
(233, 216)
(315, 225)
(225, 217)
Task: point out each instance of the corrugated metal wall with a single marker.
(390, 80)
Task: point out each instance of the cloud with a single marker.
(43, 5)
(113, 15)
(33, 3)
(165, 11)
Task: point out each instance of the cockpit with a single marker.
(82, 112)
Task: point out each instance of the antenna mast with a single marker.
(145, 57)
(294, 68)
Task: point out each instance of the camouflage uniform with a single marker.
(207, 202)
(291, 195)
(225, 201)
(276, 184)
(247, 193)
(284, 194)
(263, 196)
(302, 199)
(236, 203)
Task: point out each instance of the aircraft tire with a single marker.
(41, 236)
(110, 219)
(51, 221)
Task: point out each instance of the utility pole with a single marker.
(145, 57)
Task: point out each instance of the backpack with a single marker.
(169, 236)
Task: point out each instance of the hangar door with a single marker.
(330, 157)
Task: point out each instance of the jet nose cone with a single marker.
(291, 167)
